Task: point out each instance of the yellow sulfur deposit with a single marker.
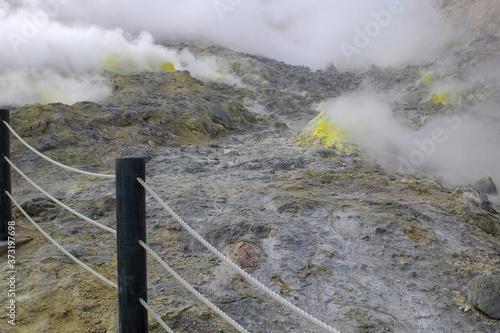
(327, 133)
(119, 63)
(168, 66)
(127, 63)
(45, 92)
(427, 78)
(110, 62)
(323, 130)
(441, 98)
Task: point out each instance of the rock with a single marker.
(324, 152)
(484, 295)
(97, 329)
(78, 251)
(486, 186)
(31, 208)
(59, 118)
(472, 197)
(205, 315)
(487, 224)
(246, 254)
(281, 125)
(36, 206)
(330, 68)
(48, 143)
(39, 126)
(485, 40)
(104, 206)
(322, 132)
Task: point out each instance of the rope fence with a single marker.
(271, 294)
(72, 257)
(92, 174)
(48, 195)
(190, 288)
(155, 315)
(130, 234)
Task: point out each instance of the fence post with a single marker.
(130, 227)
(5, 181)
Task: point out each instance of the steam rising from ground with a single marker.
(458, 148)
(299, 32)
(49, 48)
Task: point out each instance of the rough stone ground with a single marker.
(362, 248)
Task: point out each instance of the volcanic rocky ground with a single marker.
(361, 247)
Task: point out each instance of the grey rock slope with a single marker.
(363, 248)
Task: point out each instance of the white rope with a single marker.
(155, 315)
(100, 175)
(72, 257)
(100, 225)
(238, 269)
(186, 285)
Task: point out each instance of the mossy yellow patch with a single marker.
(440, 98)
(168, 66)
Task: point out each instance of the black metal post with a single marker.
(130, 227)
(5, 181)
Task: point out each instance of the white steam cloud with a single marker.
(50, 48)
(458, 148)
(311, 33)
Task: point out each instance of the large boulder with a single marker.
(486, 186)
(484, 295)
(472, 197)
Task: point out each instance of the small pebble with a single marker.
(205, 315)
